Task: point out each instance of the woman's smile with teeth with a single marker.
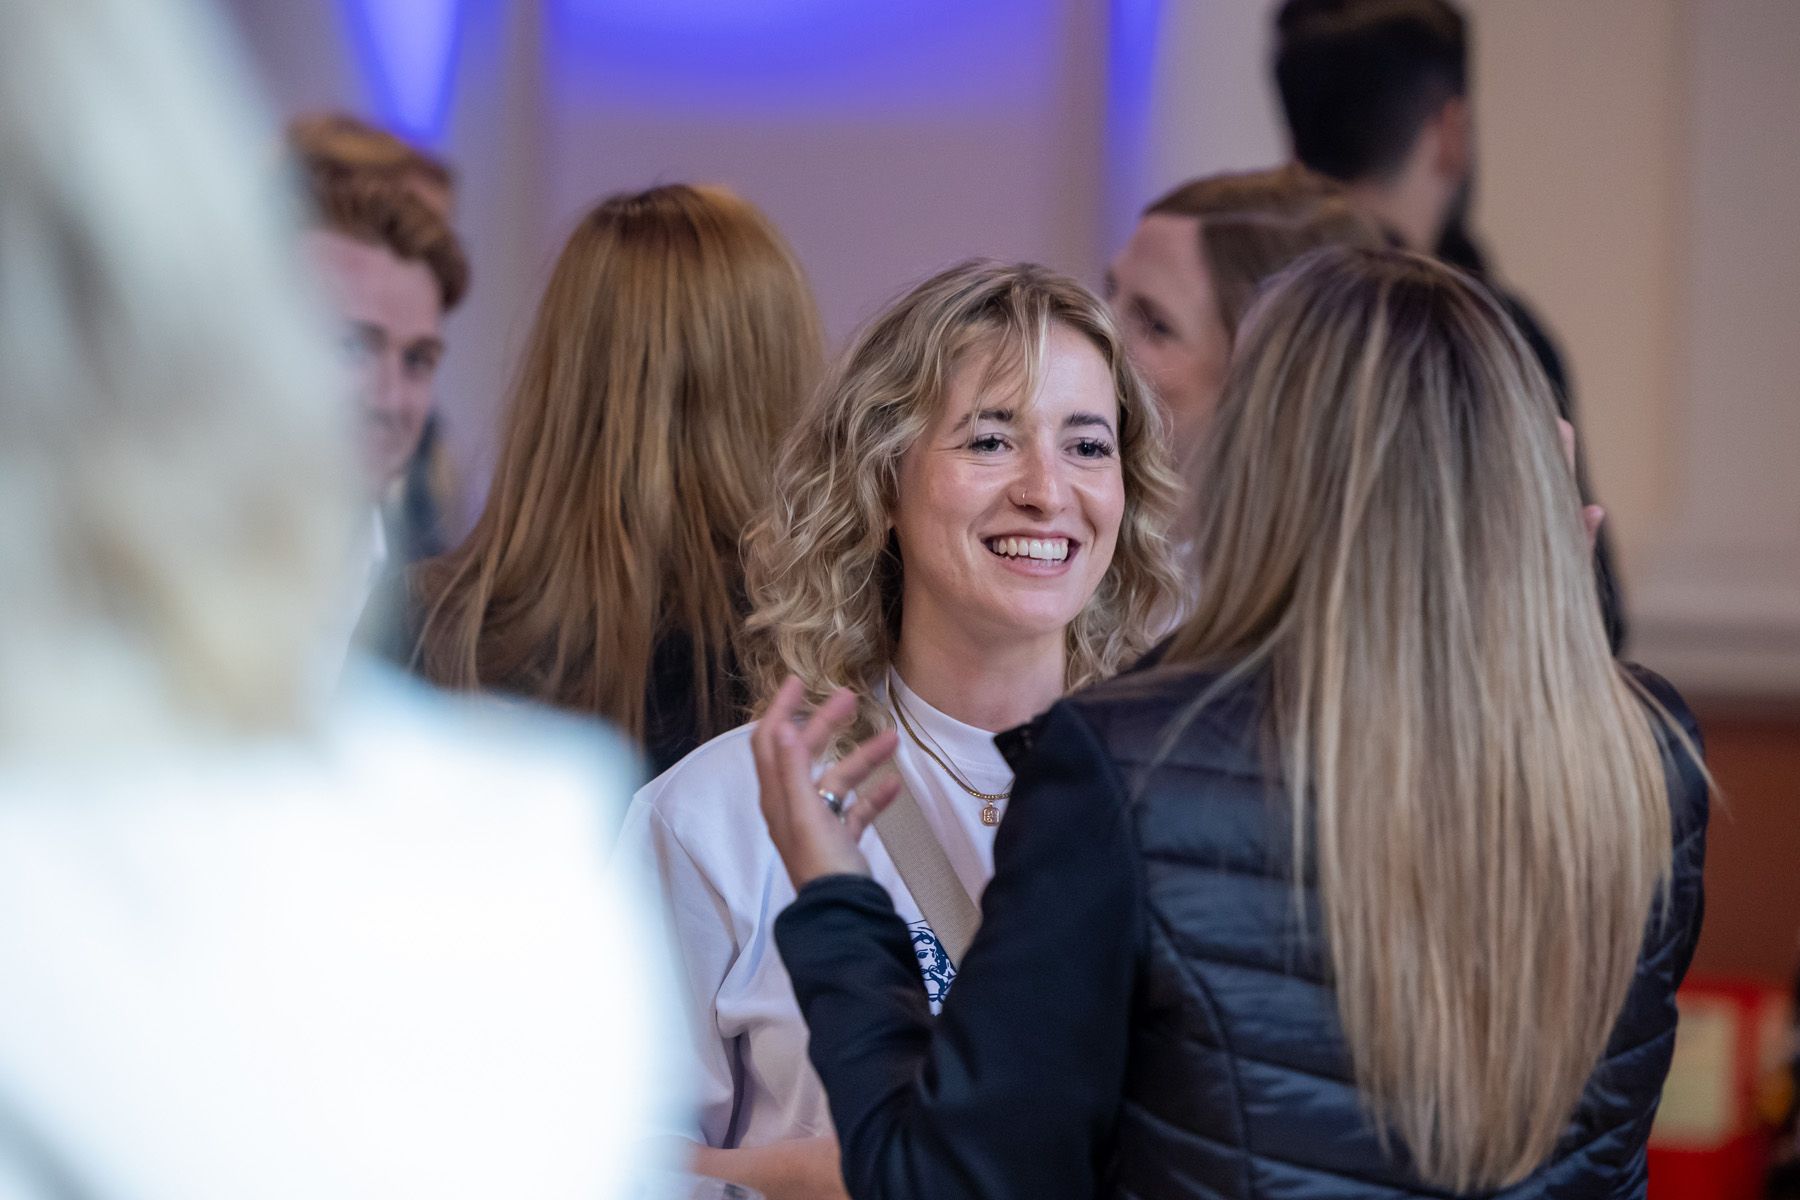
(1053, 549)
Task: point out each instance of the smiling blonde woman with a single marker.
(968, 522)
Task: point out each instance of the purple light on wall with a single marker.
(1134, 27)
(807, 60)
(408, 48)
(705, 16)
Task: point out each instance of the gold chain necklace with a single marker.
(990, 813)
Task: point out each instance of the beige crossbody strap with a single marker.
(928, 875)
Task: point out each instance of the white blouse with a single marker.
(387, 959)
(699, 829)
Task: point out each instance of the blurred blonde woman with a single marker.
(673, 347)
(1380, 884)
(240, 957)
(967, 523)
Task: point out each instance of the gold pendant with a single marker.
(991, 814)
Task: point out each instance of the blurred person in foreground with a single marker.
(253, 942)
(1376, 96)
(1380, 884)
(330, 146)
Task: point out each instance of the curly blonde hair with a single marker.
(823, 569)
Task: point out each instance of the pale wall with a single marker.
(1211, 104)
(1641, 182)
(1721, 587)
(1580, 113)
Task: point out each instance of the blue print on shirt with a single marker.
(934, 964)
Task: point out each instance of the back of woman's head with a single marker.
(172, 506)
(674, 343)
(1388, 527)
(1255, 223)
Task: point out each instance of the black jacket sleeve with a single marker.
(1013, 1090)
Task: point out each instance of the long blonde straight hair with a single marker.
(674, 343)
(1388, 529)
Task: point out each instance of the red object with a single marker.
(1733, 1171)
(1710, 1142)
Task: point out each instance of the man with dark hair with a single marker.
(1376, 95)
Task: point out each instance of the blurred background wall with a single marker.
(1639, 183)
(884, 140)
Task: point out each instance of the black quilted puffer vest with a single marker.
(1239, 1084)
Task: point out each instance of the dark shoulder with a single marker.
(424, 592)
(1543, 346)
(390, 625)
(1459, 248)
(1178, 714)
(1672, 705)
(1678, 732)
(672, 719)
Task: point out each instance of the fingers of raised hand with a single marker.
(766, 745)
(795, 774)
(827, 719)
(779, 715)
(814, 842)
(847, 774)
(870, 802)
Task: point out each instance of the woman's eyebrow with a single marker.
(1086, 420)
(1002, 416)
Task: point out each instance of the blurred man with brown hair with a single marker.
(336, 142)
(392, 265)
(381, 243)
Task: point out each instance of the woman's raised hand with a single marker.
(812, 839)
